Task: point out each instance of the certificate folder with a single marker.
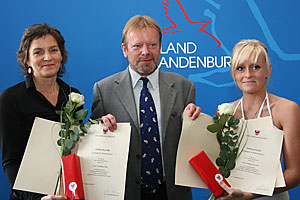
(208, 173)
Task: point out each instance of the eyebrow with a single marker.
(54, 46)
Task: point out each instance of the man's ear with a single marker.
(124, 48)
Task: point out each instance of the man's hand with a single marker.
(110, 122)
(193, 111)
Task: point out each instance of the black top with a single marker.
(19, 105)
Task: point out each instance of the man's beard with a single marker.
(143, 71)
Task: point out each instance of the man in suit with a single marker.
(117, 99)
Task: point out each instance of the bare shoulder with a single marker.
(284, 111)
(283, 105)
(235, 102)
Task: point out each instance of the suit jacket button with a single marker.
(138, 156)
(137, 181)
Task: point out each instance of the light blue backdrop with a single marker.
(93, 30)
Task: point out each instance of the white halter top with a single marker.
(260, 109)
(279, 196)
(266, 99)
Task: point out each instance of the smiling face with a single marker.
(44, 57)
(251, 76)
(142, 50)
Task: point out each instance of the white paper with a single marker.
(257, 172)
(40, 166)
(257, 167)
(103, 159)
(104, 162)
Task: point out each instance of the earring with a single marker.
(29, 70)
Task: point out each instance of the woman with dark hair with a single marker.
(41, 56)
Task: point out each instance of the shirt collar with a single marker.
(153, 78)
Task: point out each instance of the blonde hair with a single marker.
(245, 50)
(139, 22)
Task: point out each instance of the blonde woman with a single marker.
(251, 70)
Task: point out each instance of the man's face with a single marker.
(142, 50)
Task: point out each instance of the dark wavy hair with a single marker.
(36, 31)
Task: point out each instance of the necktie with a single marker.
(151, 151)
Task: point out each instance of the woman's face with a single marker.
(251, 77)
(44, 57)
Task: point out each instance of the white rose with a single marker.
(226, 108)
(76, 98)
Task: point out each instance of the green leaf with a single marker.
(67, 125)
(76, 122)
(62, 133)
(233, 156)
(76, 130)
(231, 143)
(225, 138)
(58, 112)
(216, 118)
(74, 137)
(220, 162)
(227, 133)
(59, 142)
(83, 129)
(70, 131)
(69, 107)
(231, 121)
(219, 137)
(214, 127)
(88, 124)
(66, 152)
(70, 118)
(226, 173)
(230, 165)
(224, 147)
(81, 114)
(224, 154)
(223, 119)
(222, 170)
(236, 121)
(68, 144)
(81, 134)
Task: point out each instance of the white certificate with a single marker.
(103, 160)
(258, 168)
(40, 165)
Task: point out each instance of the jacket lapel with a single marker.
(167, 98)
(124, 91)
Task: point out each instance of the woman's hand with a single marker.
(54, 197)
(235, 194)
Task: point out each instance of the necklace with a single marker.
(260, 108)
(253, 115)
